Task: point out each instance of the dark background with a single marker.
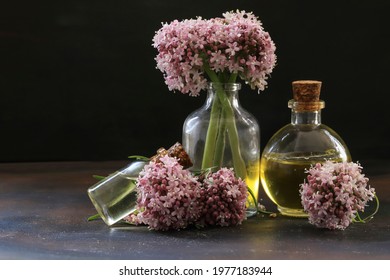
(78, 78)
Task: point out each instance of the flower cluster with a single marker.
(170, 197)
(167, 195)
(236, 43)
(223, 199)
(334, 194)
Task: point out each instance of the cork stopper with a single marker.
(306, 96)
(177, 151)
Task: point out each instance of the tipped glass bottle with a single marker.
(297, 146)
(115, 197)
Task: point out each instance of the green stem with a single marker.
(233, 78)
(368, 218)
(211, 137)
(220, 142)
(214, 127)
(238, 162)
(252, 194)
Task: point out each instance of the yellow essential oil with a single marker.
(282, 175)
(252, 181)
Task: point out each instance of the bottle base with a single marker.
(291, 212)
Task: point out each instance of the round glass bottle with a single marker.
(222, 134)
(297, 146)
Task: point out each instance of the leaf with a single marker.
(94, 217)
(98, 177)
(137, 157)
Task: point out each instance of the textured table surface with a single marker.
(44, 209)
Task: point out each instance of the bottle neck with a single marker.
(303, 112)
(229, 90)
(306, 117)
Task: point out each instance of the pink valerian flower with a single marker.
(168, 196)
(235, 43)
(223, 199)
(334, 193)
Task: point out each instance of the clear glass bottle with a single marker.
(223, 134)
(297, 146)
(115, 197)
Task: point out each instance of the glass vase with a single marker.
(223, 134)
